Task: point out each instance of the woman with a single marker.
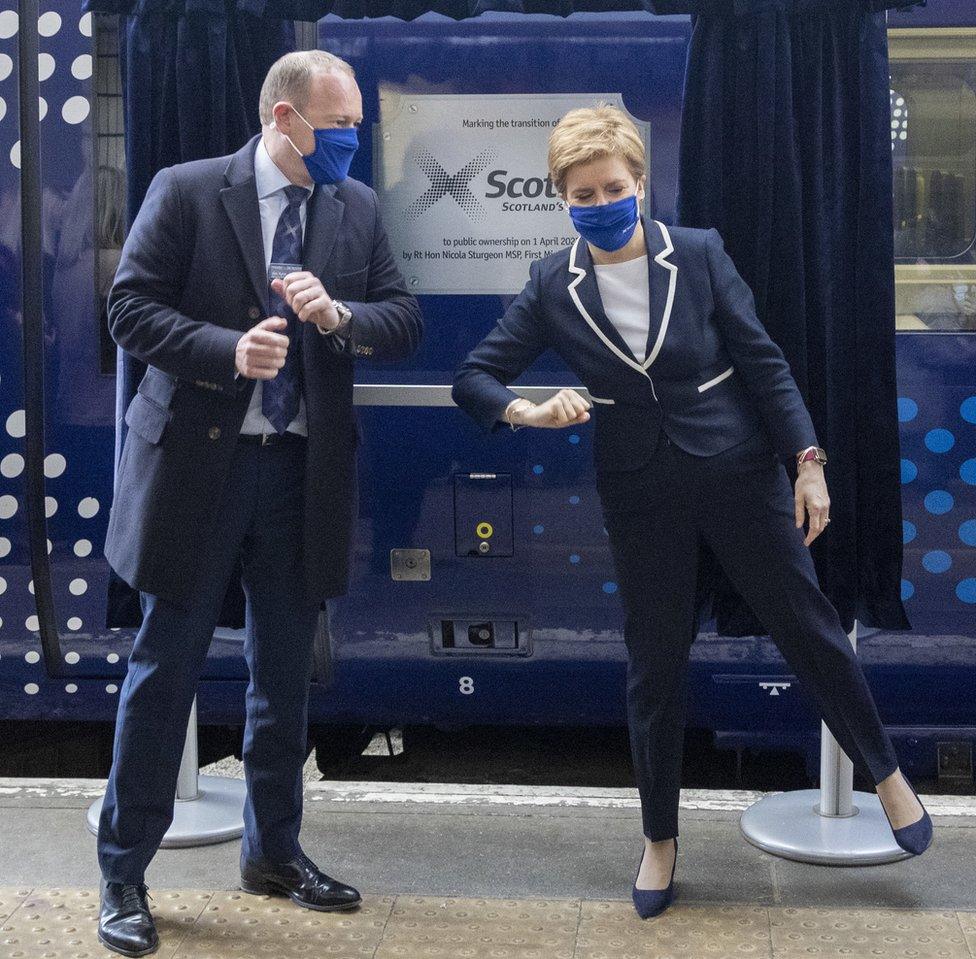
(693, 402)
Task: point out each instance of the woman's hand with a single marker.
(566, 408)
(811, 499)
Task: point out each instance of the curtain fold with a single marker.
(786, 150)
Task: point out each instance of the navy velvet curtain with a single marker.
(191, 77)
(786, 150)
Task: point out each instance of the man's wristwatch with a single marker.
(345, 315)
(811, 453)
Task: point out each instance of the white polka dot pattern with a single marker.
(9, 22)
(54, 465)
(75, 109)
(12, 465)
(16, 424)
(81, 69)
(45, 66)
(48, 24)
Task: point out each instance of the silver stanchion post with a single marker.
(208, 809)
(832, 826)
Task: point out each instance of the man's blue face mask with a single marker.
(332, 157)
(608, 226)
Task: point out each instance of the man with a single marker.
(248, 284)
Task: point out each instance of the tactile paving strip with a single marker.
(866, 934)
(967, 921)
(62, 924)
(431, 928)
(10, 899)
(241, 926)
(613, 930)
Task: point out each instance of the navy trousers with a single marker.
(259, 521)
(740, 504)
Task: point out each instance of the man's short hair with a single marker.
(591, 133)
(290, 79)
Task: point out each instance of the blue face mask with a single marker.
(334, 149)
(608, 226)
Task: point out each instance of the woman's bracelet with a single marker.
(511, 409)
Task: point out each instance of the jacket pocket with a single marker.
(715, 380)
(147, 419)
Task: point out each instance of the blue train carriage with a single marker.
(483, 590)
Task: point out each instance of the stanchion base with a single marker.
(790, 825)
(216, 815)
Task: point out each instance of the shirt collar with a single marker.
(268, 177)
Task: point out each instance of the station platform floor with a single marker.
(465, 872)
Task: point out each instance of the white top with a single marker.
(626, 299)
(271, 199)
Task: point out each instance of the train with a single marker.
(482, 588)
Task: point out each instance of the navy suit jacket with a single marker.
(711, 379)
(191, 280)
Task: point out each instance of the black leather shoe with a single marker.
(301, 881)
(125, 924)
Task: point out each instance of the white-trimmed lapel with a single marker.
(661, 259)
(619, 349)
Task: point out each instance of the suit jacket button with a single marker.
(253, 313)
(214, 432)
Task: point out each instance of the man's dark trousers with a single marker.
(259, 520)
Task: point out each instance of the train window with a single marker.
(109, 146)
(933, 139)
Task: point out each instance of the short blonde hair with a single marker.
(591, 133)
(290, 78)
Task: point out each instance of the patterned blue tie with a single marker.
(279, 400)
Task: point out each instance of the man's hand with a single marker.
(810, 498)
(304, 293)
(261, 351)
(566, 408)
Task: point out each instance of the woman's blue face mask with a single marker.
(608, 226)
(332, 157)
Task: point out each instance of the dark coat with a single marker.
(192, 279)
(712, 377)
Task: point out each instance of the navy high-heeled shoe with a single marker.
(652, 902)
(916, 837)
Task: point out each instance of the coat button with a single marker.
(253, 313)
(214, 432)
